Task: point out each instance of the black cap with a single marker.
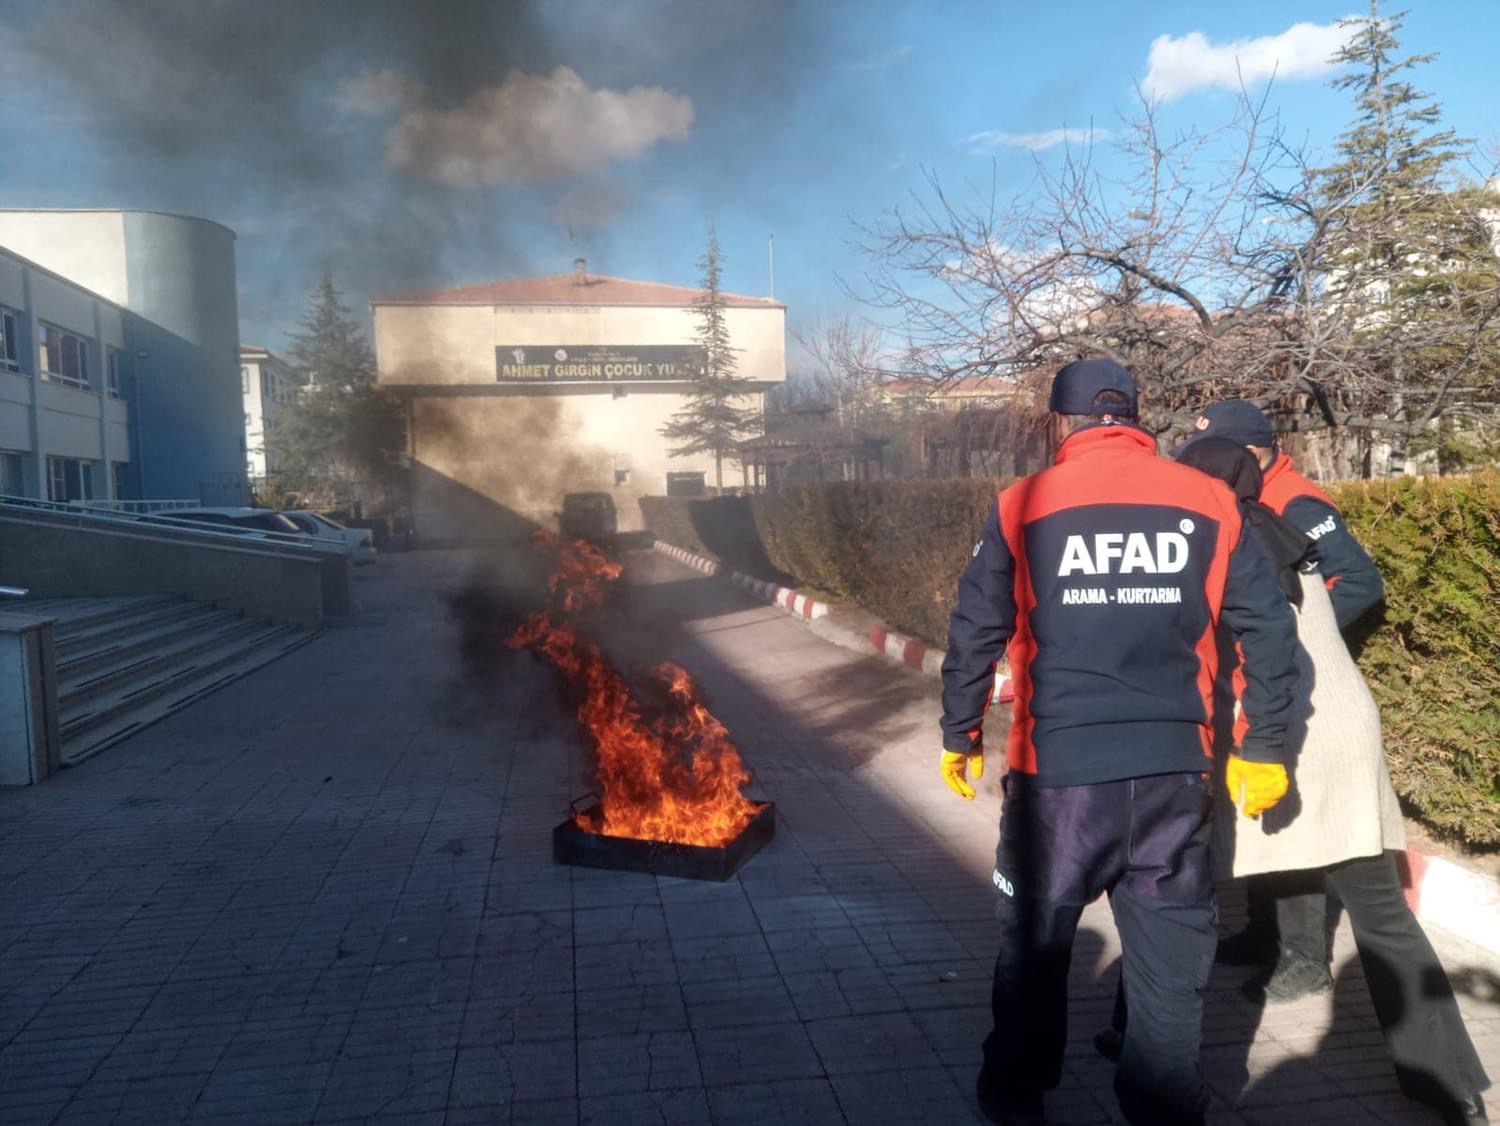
(1236, 419)
(1075, 387)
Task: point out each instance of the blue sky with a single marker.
(410, 155)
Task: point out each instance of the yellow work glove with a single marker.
(953, 768)
(1260, 785)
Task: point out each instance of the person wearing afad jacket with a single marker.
(1341, 821)
(1106, 577)
(1287, 932)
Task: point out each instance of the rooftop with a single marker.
(975, 385)
(570, 289)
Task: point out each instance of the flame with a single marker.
(670, 774)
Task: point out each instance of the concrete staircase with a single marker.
(124, 663)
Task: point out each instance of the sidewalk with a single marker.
(326, 895)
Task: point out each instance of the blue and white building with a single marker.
(119, 358)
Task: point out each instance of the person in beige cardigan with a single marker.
(1341, 815)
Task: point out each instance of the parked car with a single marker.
(243, 518)
(360, 540)
(588, 516)
(265, 523)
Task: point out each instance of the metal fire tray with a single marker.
(583, 849)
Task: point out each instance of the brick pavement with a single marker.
(325, 894)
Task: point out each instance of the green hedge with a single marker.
(1433, 662)
(894, 547)
(897, 547)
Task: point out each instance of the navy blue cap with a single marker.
(1236, 419)
(1075, 387)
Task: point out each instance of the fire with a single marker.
(668, 774)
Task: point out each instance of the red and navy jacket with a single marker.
(1354, 583)
(1106, 575)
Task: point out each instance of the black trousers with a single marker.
(1144, 843)
(1424, 1032)
(1291, 909)
(1434, 1057)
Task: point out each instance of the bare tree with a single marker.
(1179, 268)
(848, 362)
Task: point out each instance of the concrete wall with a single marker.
(174, 276)
(487, 453)
(58, 557)
(30, 747)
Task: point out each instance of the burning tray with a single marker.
(583, 849)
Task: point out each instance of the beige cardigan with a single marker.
(1341, 804)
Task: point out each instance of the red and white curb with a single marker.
(907, 651)
(1458, 899)
(798, 605)
(894, 646)
(697, 562)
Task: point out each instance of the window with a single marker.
(69, 478)
(119, 472)
(244, 380)
(10, 345)
(65, 357)
(12, 474)
(112, 372)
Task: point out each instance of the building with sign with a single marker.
(522, 392)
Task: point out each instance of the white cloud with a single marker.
(1035, 142)
(1178, 66)
(529, 129)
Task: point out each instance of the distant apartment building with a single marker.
(970, 392)
(268, 387)
(119, 347)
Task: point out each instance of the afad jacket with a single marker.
(1106, 576)
(1354, 583)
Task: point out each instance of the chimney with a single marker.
(580, 272)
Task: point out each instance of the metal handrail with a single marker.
(136, 506)
(135, 521)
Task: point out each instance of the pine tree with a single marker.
(342, 428)
(1395, 149)
(1408, 257)
(714, 419)
(330, 350)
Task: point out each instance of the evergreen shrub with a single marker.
(1433, 658)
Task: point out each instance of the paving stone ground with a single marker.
(326, 894)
